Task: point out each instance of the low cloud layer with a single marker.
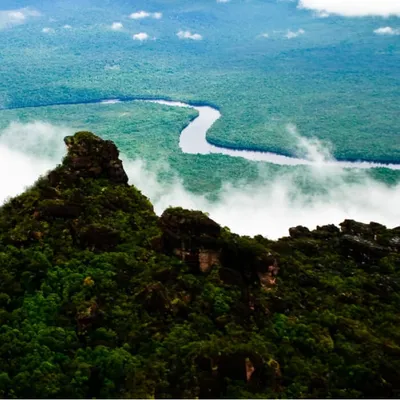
(145, 14)
(189, 35)
(10, 18)
(269, 207)
(20, 148)
(387, 31)
(353, 8)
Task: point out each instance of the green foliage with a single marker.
(92, 307)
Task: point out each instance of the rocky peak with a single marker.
(90, 157)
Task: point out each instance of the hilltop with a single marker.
(101, 298)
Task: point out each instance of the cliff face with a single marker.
(99, 297)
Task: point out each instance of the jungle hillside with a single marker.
(102, 298)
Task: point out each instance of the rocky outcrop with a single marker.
(367, 231)
(208, 258)
(362, 242)
(368, 242)
(250, 259)
(198, 241)
(268, 278)
(192, 236)
(89, 157)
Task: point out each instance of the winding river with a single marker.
(193, 140)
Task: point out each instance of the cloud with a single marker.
(387, 30)
(322, 14)
(48, 30)
(67, 27)
(30, 150)
(189, 35)
(353, 8)
(291, 35)
(145, 14)
(269, 207)
(141, 36)
(264, 35)
(117, 26)
(223, 1)
(10, 18)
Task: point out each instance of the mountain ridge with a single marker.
(100, 297)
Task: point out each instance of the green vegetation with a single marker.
(100, 298)
(155, 141)
(337, 82)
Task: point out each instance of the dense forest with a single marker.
(101, 298)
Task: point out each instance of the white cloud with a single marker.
(140, 36)
(10, 18)
(145, 14)
(48, 30)
(269, 207)
(322, 14)
(189, 35)
(67, 27)
(387, 30)
(32, 149)
(264, 35)
(117, 26)
(291, 35)
(223, 1)
(353, 8)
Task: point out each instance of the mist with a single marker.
(269, 207)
